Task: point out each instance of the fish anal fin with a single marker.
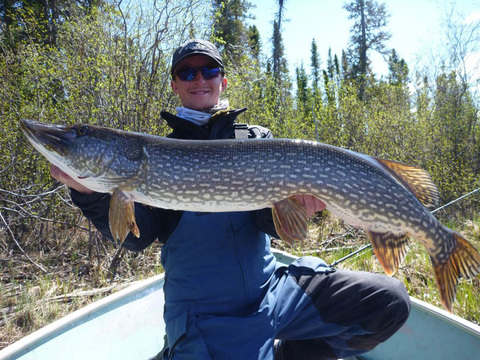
(290, 219)
(417, 180)
(389, 248)
(122, 216)
(463, 261)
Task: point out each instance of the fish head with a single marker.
(97, 157)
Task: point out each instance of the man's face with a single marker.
(199, 94)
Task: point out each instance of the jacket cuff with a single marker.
(79, 198)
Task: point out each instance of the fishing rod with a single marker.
(366, 247)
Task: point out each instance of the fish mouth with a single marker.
(56, 138)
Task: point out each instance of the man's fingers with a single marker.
(311, 203)
(64, 178)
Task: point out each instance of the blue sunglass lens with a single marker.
(190, 73)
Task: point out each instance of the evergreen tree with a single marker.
(48, 16)
(303, 91)
(279, 61)
(254, 41)
(315, 64)
(229, 30)
(398, 69)
(328, 77)
(345, 66)
(330, 65)
(367, 33)
(279, 69)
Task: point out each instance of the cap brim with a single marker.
(195, 53)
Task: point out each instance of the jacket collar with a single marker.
(220, 127)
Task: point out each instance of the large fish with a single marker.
(383, 197)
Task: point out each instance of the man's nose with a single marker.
(199, 77)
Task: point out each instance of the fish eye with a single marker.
(82, 130)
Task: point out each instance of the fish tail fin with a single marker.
(463, 261)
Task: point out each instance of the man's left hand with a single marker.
(311, 203)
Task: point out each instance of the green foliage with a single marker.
(110, 66)
(254, 41)
(102, 70)
(398, 69)
(38, 20)
(229, 30)
(367, 34)
(304, 93)
(315, 65)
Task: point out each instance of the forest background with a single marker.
(107, 63)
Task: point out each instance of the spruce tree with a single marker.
(315, 64)
(229, 29)
(367, 33)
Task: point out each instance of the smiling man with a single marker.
(197, 81)
(225, 295)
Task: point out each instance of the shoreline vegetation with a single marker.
(107, 63)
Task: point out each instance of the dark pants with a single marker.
(317, 313)
(361, 309)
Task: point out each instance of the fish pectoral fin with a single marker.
(417, 180)
(122, 216)
(290, 219)
(389, 248)
(463, 261)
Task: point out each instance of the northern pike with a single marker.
(385, 198)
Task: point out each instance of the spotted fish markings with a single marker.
(385, 198)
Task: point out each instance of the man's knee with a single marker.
(397, 308)
(393, 309)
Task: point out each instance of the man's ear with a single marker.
(173, 84)
(224, 83)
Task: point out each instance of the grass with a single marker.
(82, 270)
(77, 276)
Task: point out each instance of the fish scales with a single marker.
(382, 197)
(254, 174)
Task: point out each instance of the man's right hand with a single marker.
(67, 180)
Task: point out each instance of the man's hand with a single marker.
(67, 180)
(311, 203)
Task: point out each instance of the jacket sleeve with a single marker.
(153, 223)
(257, 131)
(264, 221)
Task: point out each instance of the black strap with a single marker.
(241, 131)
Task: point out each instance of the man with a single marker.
(225, 296)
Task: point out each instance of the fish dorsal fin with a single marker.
(290, 219)
(389, 248)
(417, 180)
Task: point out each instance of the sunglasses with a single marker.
(190, 74)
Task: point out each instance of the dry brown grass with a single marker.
(78, 275)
